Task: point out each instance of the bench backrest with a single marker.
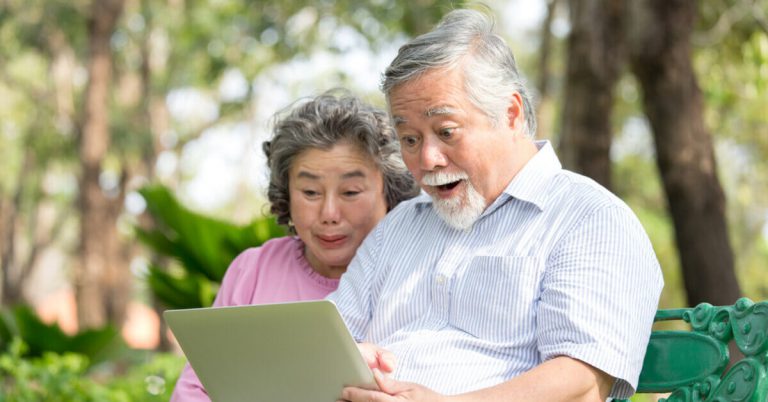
(692, 364)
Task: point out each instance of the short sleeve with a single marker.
(599, 295)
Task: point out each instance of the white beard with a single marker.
(459, 212)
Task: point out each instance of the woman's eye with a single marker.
(409, 141)
(309, 193)
(351, 193)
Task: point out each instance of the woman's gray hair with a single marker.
(465, 38)
(332, 118)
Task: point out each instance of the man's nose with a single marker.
(432, 156)
(330, 213)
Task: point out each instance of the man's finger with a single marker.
(383, 382)
(358, 394)
(389, 385)
(386, 361)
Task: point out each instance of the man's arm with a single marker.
(559, 379)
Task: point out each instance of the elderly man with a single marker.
(511, 278)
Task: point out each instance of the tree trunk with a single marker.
(10, 269)
(661, 60)
(155, 118)
(595, 60)
(545, 105)
(95, 283)
(11, 291)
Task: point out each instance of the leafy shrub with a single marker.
(67, 377)
(203, 246)
(39, 337)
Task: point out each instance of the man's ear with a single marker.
(515, 113)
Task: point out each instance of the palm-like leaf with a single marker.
(22, 322)
(203, 246)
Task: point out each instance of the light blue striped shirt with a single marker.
(557, 265)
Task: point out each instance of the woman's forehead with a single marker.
(343, 161)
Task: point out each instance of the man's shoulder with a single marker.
(583, 192)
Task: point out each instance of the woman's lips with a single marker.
(332, 241)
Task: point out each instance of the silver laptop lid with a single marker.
(292, 352)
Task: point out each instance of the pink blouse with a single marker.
(275, 272)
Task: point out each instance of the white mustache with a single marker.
(441, 178)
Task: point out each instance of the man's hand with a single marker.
(391, 391)
(377, 358)
(559, 379)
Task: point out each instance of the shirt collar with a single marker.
(528, 185)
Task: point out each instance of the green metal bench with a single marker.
(692, 364)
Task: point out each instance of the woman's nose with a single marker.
(330, 214)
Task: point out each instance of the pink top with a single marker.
(275, 272)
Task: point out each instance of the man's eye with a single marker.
(447, 132)
(309, 193)
(351, 193)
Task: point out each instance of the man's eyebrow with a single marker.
(435, 111)
(438, 111)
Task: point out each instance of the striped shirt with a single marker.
(556, 265)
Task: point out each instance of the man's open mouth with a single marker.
(448, 186)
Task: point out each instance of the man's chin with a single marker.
(456, 215)
(460, 211)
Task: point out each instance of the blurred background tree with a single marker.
(90, 88)
(654, 38)
(99, 98)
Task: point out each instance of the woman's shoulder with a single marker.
(252, 265)
(286, 247)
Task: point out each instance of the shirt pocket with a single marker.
(495, 298)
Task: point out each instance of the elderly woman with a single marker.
(335, 172)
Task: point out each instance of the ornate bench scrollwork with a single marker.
(691, 364)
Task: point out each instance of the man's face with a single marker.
(451, 147)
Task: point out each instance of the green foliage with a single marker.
(151, 379)
(51, 377)
(40, 338)
(636, 181)
(732, 64)
(67, 377)
(211, 37)
(203, 246)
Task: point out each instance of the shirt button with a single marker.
(441, 279)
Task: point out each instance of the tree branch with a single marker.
(27, 267)
(758, 13)
(728, 18)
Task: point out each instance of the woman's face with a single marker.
(336, 198)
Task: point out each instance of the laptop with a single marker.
(291, 352)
